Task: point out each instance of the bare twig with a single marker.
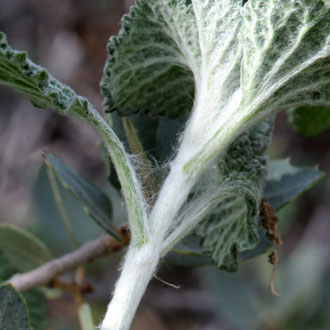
(85, 254)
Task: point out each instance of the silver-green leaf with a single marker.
(286, 46)
(163, 51)
(146, 70)
(232, 225)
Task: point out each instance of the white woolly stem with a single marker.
(196, 152)
(138, 269)
(173, 194)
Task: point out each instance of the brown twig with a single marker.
(84, 255)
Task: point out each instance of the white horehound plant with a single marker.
(233, 66)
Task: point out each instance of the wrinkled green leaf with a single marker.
(166, 45)
(283, 185)
(145, 60)
(94, 202)
(13, 310)
(24, 250)
(309, 121)
(35, 82)
(232, 225)
(158, 53)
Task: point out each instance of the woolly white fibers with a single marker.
(139, 267)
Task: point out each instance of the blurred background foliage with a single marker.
(69, 37)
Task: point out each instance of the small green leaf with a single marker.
(37, 308)
(286, 182)
(310, 121)
(24, 250)
(94, 202)
(13, 310)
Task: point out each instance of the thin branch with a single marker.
(85, 254)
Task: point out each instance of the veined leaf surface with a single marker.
(13, 309)
(284, 184)
(232, 225)
(286, 46)
(164, 49)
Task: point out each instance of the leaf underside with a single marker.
(232, 225)
(94, 202)
(286, 182)
(278, 50)
(167, 48)
(286, 54)
(145, 61)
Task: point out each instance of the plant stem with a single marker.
(85, 254)
(131, 188)
(85, 317)
(138, 268)
(140, 264)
